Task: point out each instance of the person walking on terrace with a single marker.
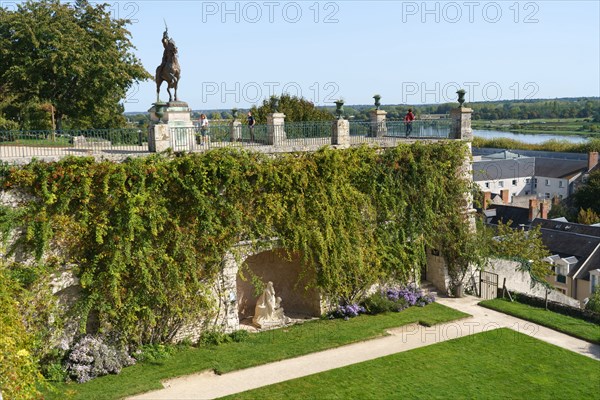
(408, 121)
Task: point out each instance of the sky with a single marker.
(235, 54)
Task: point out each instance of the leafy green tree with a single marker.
(295, 109)
(74, 57)
(587, 216)
(588, 196)
(594, 302)
(523, 246)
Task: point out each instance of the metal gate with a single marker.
(488, 285)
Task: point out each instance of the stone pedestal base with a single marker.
(159, 138)
(340, 134)
(461, 124)
(174, 130)
(236, 130)
(378, 127)
(276, 129)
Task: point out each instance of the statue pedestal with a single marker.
(174, 130)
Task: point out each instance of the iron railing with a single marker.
(23, 144)
(419, 129)
(46, 143)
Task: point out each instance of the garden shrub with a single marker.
(19, 375)
(347, 311)
(378, 303)
(90, 357)
(215, 338)
(154, 352)
(241, 335)
(593, 303)
(397, 299)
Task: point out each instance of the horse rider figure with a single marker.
(169, 70)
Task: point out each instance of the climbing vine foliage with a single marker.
(148, 235)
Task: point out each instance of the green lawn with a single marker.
(261, 348)
(498, 364)
(562, 323)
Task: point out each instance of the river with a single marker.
(527, 138)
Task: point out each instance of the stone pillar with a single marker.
(461, 124)
(340, 134)
(159, 138)
(276, 129)
(378, 126)
(236, 130)
(178, 128)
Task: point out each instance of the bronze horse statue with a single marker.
(169, 69)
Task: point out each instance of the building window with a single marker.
(547, 182)
(594, 282)
(528, 181)
(547, 195)
(514, 182)
(487, 185)
(561, 184)
(561, 274)
(500, 183)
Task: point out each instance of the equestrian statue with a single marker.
(169, 70)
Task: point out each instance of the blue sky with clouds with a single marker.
(234, 54)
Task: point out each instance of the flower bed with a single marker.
(388, 299)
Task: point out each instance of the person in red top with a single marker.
(408, 120)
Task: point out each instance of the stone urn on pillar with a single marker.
(160, 108)
(275, 104)
(377, 102)
(461, 97)
(339, 108)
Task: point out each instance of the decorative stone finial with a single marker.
(377, 103)
(275, 103)
(461, 97)
(339, 108)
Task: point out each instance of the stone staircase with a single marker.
(428, 287)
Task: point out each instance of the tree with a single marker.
(295, 109)
(523, 246)
(587, 216)
(74, 58)
(588, 196)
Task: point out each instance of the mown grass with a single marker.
(563, 323)
(259, 349)
(498, 364)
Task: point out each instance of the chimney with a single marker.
(505, 195)
(533, 205)
(592, 159)
(543, 210)
(487, 199)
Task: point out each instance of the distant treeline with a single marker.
(581, 107)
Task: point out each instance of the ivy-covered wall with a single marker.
(148, 235)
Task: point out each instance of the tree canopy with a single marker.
(588, 196)
(295, 109)
(72, 62)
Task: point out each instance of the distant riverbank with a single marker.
(565, 127)
(527, 137)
